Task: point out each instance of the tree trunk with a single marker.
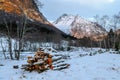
(10, 48)
(3, 49)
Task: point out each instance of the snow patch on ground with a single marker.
(105, 66)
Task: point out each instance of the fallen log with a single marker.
(55, 63)
(35, 63)
(63, 67)
(56, 59)
(38, 63)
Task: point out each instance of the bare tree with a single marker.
(98, 20)
(15, 46)
(104, 21)
(3, 48)
(21, 25)
(21, 30)
(115, 22)
(9, 30)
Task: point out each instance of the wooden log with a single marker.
(60, 67)
(43, 61)
(30, 61)
(61, 61)
(41, 70)
(58, 55)
(15, 66)
(37, 67)
(38, 63)
(25, 64)
(56, 59)
(65, 64)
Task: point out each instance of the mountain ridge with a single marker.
(79, 27)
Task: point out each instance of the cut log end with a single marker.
(15, 67)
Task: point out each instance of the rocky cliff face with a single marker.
(17, 11)
(23, 7)
(79, 27)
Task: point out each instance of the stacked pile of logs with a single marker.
(40, 62)
(43, 61)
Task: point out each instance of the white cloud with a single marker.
(90, 2)
(111, 1)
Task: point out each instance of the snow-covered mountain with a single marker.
(108, 23)
(79, 27)
(64, 22)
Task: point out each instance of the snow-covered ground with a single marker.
(104, 66)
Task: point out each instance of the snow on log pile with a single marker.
(43, 61)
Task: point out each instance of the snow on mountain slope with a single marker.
(63, 23)
(109, 24)
(104, 66)
(78, 26)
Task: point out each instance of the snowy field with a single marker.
(85, 64)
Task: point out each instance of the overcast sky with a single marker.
(52, 9)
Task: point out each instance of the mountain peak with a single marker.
(79, 27)
(64, 15)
